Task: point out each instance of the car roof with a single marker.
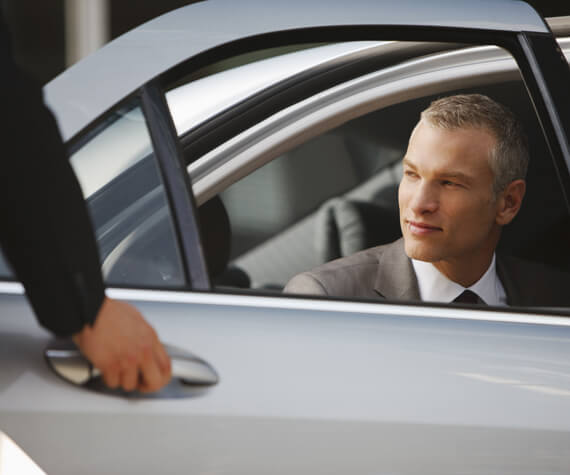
(89, 88)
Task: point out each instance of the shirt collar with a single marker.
(436, 287)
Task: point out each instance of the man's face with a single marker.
(447, 210)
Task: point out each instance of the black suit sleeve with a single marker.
(45, 231)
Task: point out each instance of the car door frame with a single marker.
(542, 65)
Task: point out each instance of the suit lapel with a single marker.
(396, 278)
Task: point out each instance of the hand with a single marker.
(125, 348)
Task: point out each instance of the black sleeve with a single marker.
(45, 231)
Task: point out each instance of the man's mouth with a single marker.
(421, 229)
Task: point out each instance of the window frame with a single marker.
(543, 69)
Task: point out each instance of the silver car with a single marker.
(224, 147)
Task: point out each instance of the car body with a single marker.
(279, 112)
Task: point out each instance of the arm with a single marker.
(46, 233)
(47, 237)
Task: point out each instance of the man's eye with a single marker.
(449, 183)
(410, 174)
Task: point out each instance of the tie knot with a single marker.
(468, 296)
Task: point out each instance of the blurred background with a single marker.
(50, 35)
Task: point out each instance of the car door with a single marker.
(306, 385)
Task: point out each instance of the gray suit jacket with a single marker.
(387, 272)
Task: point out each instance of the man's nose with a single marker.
(425, 199)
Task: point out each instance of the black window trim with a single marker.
(176, 184)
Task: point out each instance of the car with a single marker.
(224, 148)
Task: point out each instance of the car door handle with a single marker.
(67, 362)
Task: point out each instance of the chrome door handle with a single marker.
(66, 360)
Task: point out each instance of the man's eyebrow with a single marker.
(444, 174)
(459, 175)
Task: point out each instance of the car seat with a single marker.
(216, 235)
(345, 226)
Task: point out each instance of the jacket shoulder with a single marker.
(351, 276)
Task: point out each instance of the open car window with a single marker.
(318, 180)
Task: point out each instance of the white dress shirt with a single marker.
(435, 287)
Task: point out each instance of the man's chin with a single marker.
(421, 251)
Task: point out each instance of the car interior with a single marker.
(337, 194)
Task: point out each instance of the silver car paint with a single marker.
(92, 86)
(309, 386)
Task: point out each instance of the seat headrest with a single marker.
(344, 227)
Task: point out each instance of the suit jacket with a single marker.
(387, 272)
(45, 231)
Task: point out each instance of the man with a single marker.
(463, 180)
(46, 236)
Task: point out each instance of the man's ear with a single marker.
(509, 202)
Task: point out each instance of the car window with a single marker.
(328, 190)
(116, 168)
(115, 165)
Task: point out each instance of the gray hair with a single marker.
(509, 157)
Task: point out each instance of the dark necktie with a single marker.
(467, 296)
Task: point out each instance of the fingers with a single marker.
(130, 378)
(163, 359)
(144, 376)
(151, 378)
(155, 370)
(145, 371)
(111, 376)
(125, 348)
